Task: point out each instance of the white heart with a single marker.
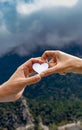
(40, 67)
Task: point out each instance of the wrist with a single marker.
(4, 92)
(7, 94)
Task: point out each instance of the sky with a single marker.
(27, 24)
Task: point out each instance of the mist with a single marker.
(47, 25)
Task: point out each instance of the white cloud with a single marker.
(1, 15)
(3, 30)
(27, 8)
(5, 1)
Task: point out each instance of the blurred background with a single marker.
(27, 29)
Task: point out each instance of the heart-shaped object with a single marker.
(40, 67)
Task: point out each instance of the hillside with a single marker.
(15, 115)
(55, 100)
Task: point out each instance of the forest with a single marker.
(56, 100)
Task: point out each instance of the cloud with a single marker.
(5, 1)
(48, 26)
(28, 8)
(3, 30)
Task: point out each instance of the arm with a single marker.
(14, 87)
(7, 94)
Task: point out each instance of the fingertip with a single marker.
(40, 61)
(42, 74)
(33, 79)
(38, 77)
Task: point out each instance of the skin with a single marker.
(14, 87)
(61, 63)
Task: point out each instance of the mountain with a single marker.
(53, 100)
(15, 115)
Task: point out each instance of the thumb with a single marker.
(33, 79)
(49, 71)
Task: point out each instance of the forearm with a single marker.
(77, 66)
(7, 94)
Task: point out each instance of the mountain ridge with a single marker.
(54, 99)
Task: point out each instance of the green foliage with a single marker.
(53, 127)
(11, 115)
(38, 127)
(56, 99)
(57, 111)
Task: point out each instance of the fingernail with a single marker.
(42, 74)
(38, 77)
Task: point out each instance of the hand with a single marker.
(61, 63)
(14, 87)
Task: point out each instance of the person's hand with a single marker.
(14, 87)
(61, 63)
